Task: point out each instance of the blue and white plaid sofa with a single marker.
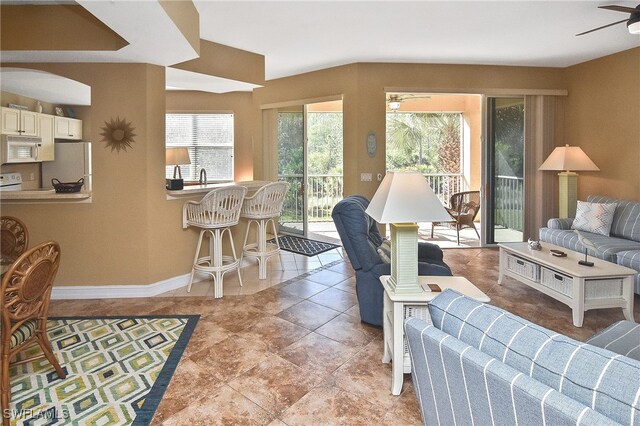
(621, 247)
(480, 365)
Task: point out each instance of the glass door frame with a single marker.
(488, 186)
(307, 107)
(302, 194)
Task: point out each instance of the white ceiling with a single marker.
(301, 36)
(44, 86)
(297, 36)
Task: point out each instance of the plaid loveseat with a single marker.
(478, 364)
(621, 247)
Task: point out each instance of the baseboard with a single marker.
(119, 291)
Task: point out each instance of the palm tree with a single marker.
(407, 131)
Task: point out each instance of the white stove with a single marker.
(10, 182)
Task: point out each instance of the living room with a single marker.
(126, 235)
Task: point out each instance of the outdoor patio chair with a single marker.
(463, 209)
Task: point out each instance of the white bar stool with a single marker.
(261, 208)
(215, 214)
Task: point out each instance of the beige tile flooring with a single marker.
(292, 351)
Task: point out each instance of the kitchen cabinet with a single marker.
(45, 131)
(19, 122)
(68, 128)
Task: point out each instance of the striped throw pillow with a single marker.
(594, 217)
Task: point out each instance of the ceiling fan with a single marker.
(633, 22)
(394, 99)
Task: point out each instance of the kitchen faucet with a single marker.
(203, 172)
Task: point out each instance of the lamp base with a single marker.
(174, 184)
(568, 194)
(404, 258)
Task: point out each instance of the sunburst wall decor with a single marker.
(118, 134)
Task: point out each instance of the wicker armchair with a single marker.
(24, 297)
(464, 207)
(215, 214)
(263, 208)
(14, 237)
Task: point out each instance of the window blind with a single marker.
(209, 139)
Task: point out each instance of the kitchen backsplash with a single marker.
(30, 174)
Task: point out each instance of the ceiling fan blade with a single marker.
(604, 26)
(619, 8)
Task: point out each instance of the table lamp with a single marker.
(568, 159)
(176, 157)
(403, 199)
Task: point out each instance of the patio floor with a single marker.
(442, 236)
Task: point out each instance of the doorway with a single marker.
(439, 135)
(310, 152)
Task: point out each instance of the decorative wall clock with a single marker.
(118, 134)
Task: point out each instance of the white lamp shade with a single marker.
(568, 158)
(406, 197)
(394, 105)
(177, 156)
(634, 27)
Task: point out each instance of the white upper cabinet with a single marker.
(68, 128)
(19, 122)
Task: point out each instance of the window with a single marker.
(209, 138)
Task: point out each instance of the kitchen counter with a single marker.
(43, 195)
(192, 190)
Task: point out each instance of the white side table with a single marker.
(397, 307)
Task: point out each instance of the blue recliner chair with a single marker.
(360, 238)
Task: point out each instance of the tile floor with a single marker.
(291, 350)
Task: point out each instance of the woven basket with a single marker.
(67, 187)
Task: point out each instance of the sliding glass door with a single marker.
(292, 148)
(310, 146)
(505, 169)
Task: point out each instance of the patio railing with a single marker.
(444, 185)
(509, 202)
(325, 190)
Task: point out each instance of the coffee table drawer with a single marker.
(607, 288)
(556, 281)
(523, 267)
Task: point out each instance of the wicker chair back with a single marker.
(219, 208)
(266, 202)
(14, 239)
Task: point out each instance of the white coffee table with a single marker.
(603, 285)
(398, 306)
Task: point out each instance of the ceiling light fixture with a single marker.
(394, 103)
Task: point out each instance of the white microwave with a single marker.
(19, 149)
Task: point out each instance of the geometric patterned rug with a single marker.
(302, 246)
(117, 370)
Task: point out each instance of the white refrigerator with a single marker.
(72, 162)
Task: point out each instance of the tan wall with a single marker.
(363, 87)
(602, 116)
(129, 231)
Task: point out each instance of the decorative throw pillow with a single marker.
(594, 217)
(384, 250)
